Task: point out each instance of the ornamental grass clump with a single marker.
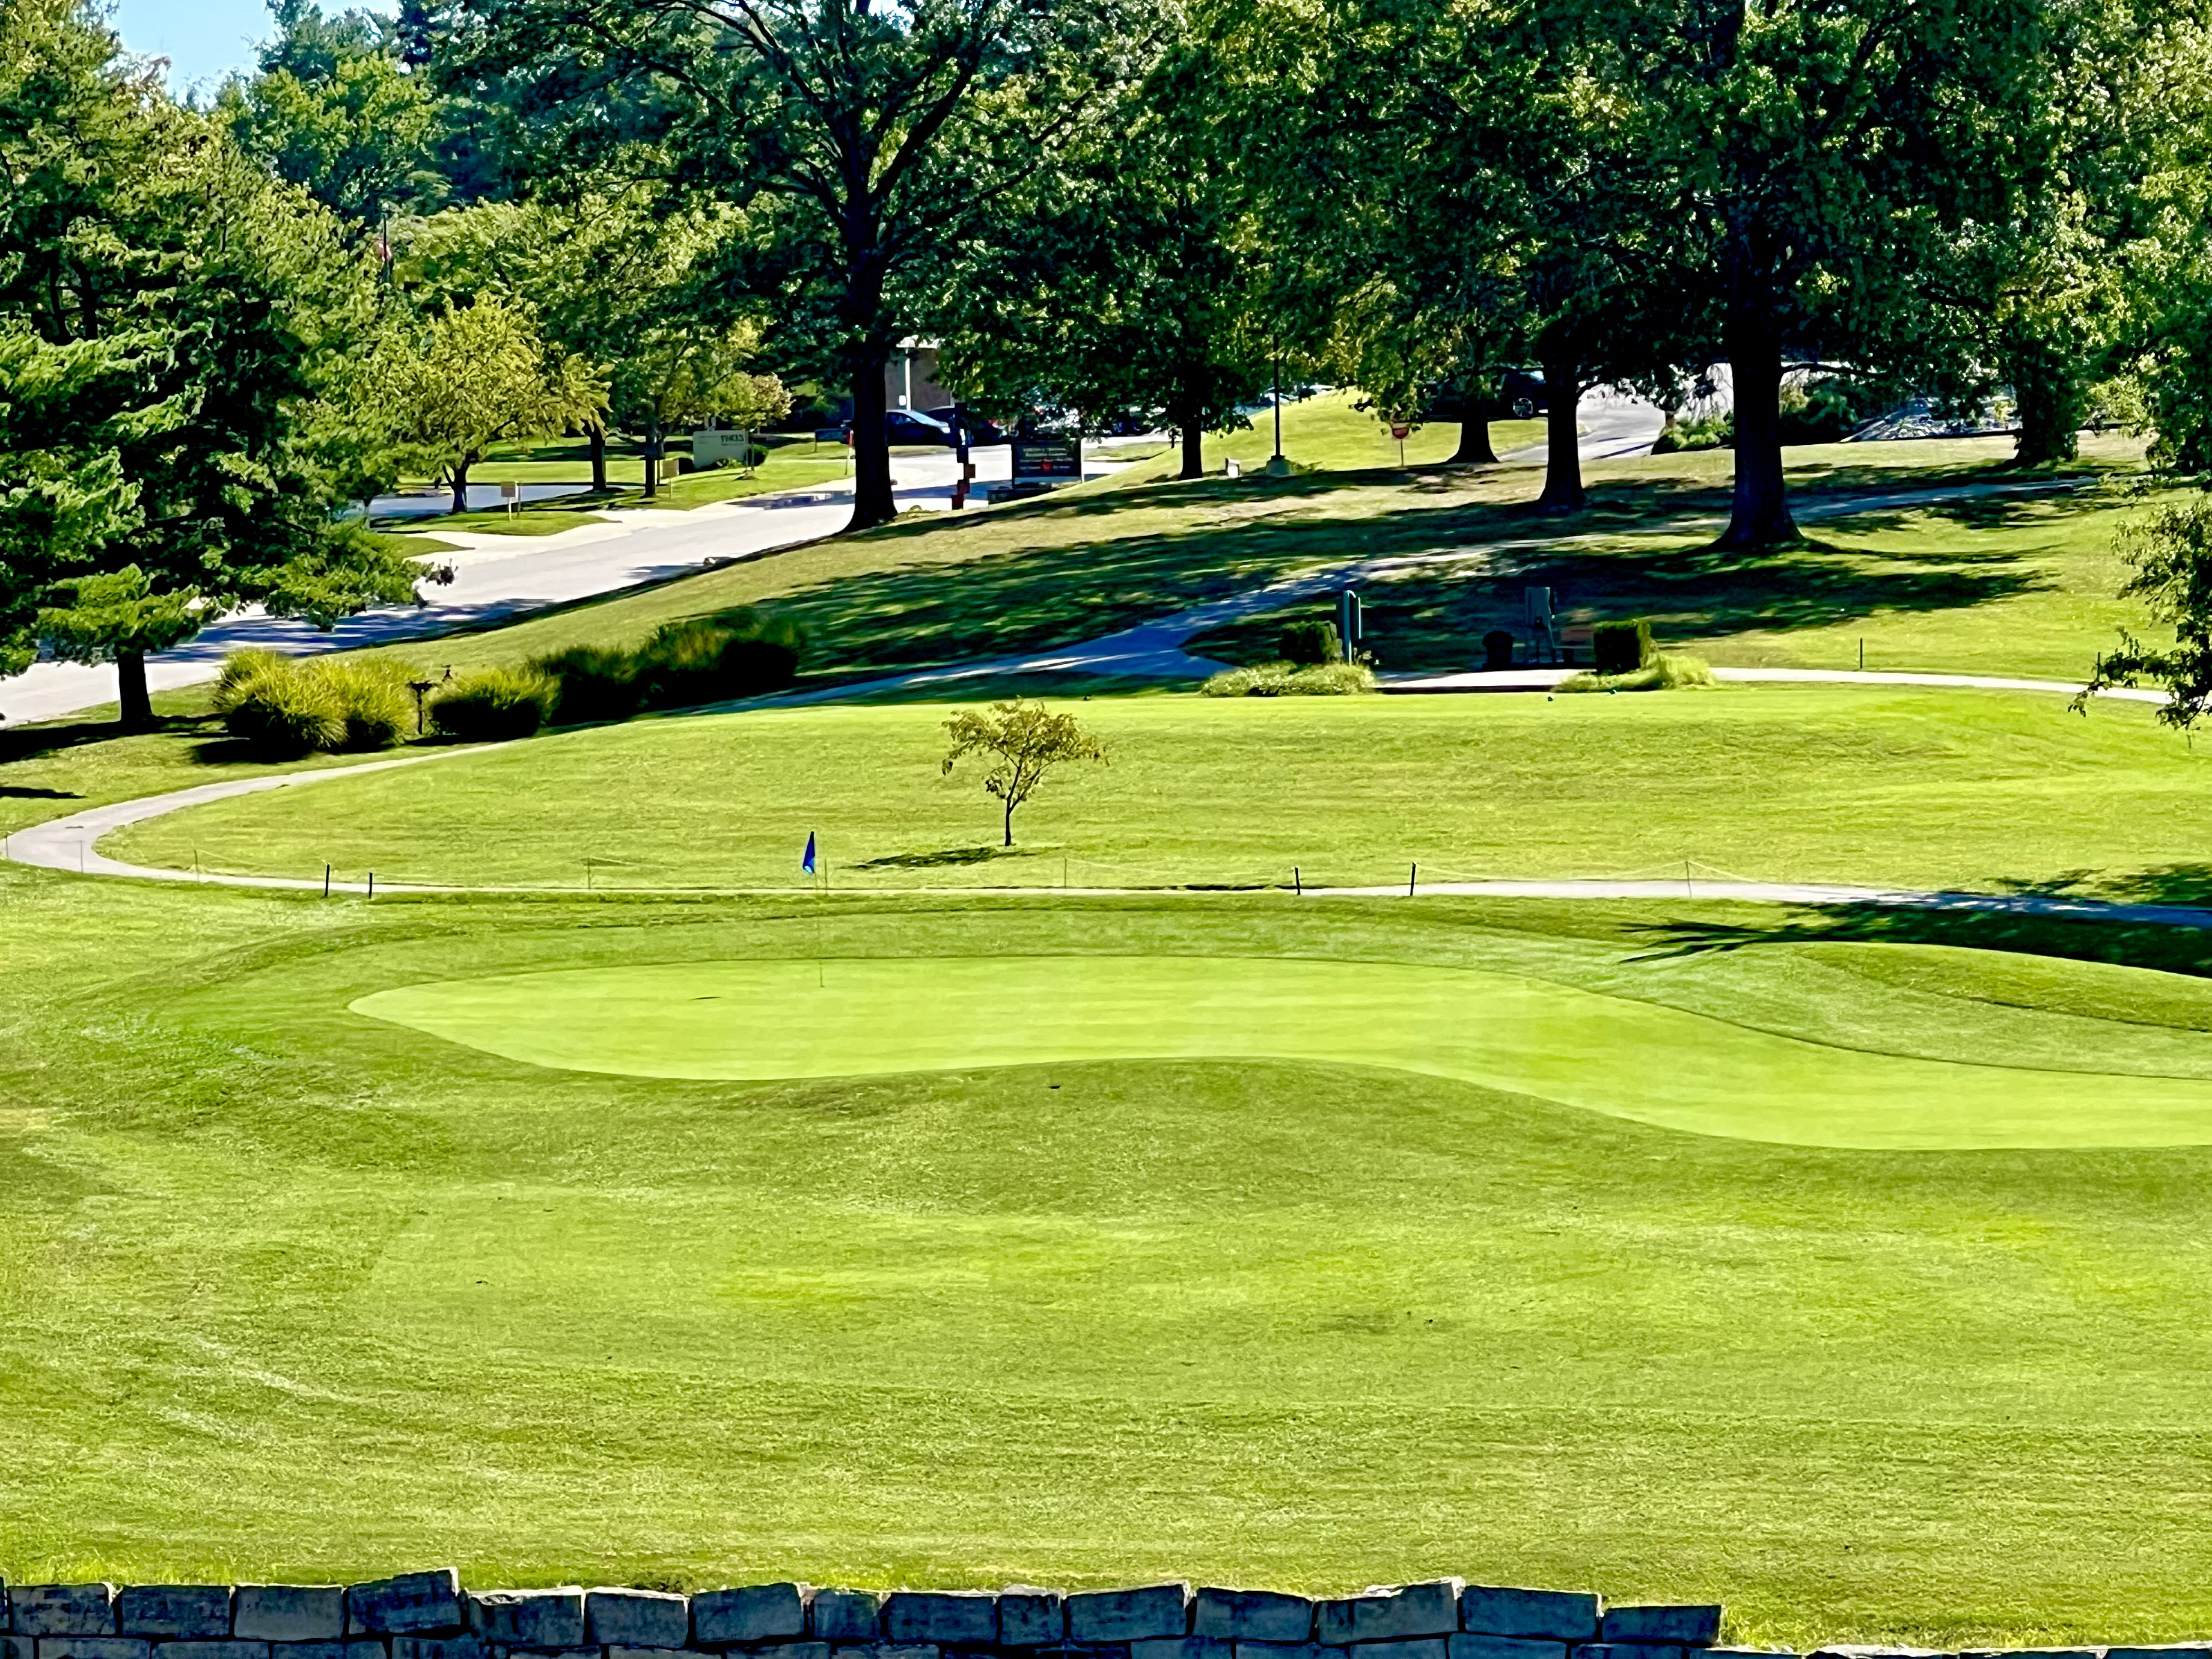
(1284, 679)
(283, 709)
(495, 706)
(593, 684)
(1668, 671)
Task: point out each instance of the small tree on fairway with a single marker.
(1024, 741)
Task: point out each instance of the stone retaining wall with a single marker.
(429, 1615)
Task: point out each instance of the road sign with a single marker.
(1047, 460)
(1400, 431)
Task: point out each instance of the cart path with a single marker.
(68, 844)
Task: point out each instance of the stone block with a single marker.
(1689, 1626)
(1399, 1613)
(1129, 1616)
(62, 1609)
(1030, 1618)
(637, 1619)
(1181, 1647)
(1468, 1645)
(94, 1647)
(411, 1604)
(17, 1647)
(529, 1619)
(182, 1613)
(883, 1650)
(800, 1650)
(1547, 1615)
(289, 1612)
(750, 1612)
(1253, 1616)
(2031, 1653)
(1627, 1650)
(361, 1647)
(2174, 1650)
(1420, 1647)
(947, 1618)
(1864, 1650)
(438, 1647)
(1286, 1650)
(843, 1615)
(226, 1650)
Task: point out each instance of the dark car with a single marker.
(979, 431)
(1519, 397)
(906, 426)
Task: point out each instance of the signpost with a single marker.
(1400, 431)
(509, 492)
(1045, 462)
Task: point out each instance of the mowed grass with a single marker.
(1978, 790)
(791, 1018)
(287, 1291)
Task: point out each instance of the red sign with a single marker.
(1400, 430)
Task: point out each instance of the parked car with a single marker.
(979, 431)
(1520, 396)
(908, 426)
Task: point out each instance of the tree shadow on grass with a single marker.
(2169, 948)
(944, 858)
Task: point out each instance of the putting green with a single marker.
(850, 1017)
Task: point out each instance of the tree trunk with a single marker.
(1474, 439)
(138, 704)
(461, 485)
(599, 436)
(653, 458)
(1563, 455)
(2048, 395)
(1010, 824)
(1761, 515)
(872, 447)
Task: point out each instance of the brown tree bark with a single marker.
(137, 702)
(1760, 517)
(2047, 393)
(598, 437)
(461, 485)
(872, 503)
(653, 457)
(1563, 455)
(1475, 440)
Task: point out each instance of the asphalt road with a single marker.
(496, 576)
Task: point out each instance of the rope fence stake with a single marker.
(1297, 886)
(372, 883)
(1412, 871)
(327, 881)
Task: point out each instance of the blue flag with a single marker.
(807, 863)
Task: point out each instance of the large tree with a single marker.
(171, 313)
(1126, 281)
(864, 140)
(1826, 157)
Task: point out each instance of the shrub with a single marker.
(374, 694)
(591, 684)
(1284, 679)
(1620, 647)
(1669, 671)
(239, 669)
(735, 653)
(493, 706)
(285, 711)
(1311, 641)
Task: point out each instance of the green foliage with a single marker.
(1309, 640)
(475, 374)
(1293, 679)
(1022, 742)
(1620, 647)
(495, 706)
(701, 659)
(593, 684)
(284, 708)
(2168, 553)
(1667, 670)
(285, 711)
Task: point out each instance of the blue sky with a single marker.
(201, 38)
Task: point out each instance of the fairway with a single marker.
(1920, 787)
(770, 1020)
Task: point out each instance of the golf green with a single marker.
(842, 1017)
